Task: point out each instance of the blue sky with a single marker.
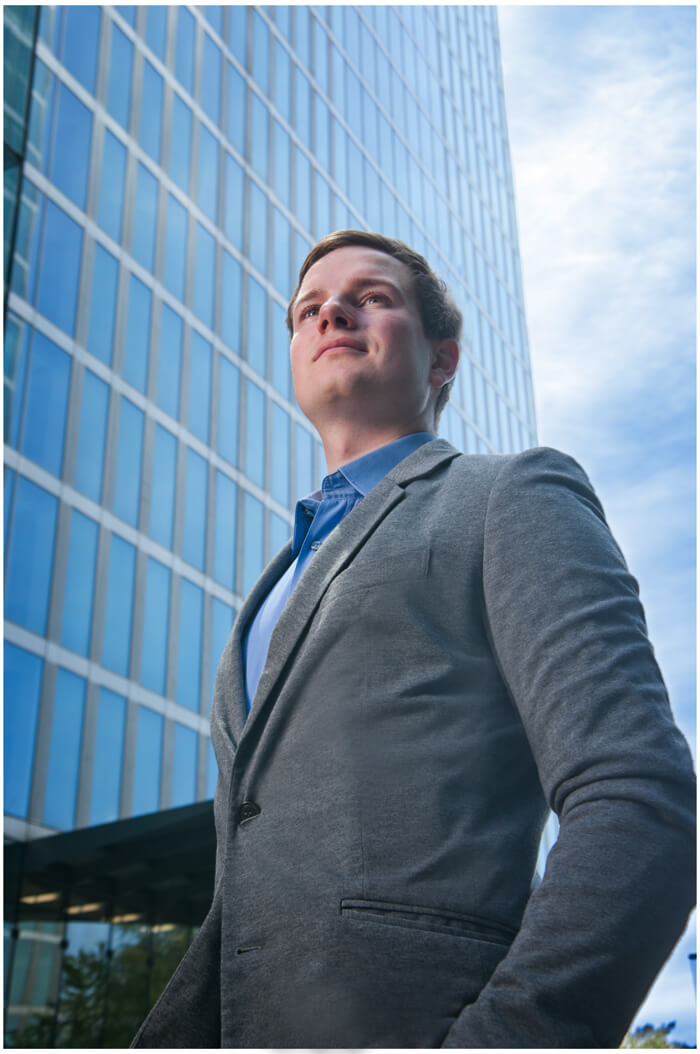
(601, 113)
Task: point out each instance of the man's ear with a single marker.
(445, 358)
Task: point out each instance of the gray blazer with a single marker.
(465, 651)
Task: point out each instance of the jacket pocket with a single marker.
(435, 920)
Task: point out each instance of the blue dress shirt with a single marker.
(314, 518)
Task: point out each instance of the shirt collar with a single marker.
(365, 472)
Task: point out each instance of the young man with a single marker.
(449, 646)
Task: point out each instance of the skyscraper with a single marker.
(178, 165)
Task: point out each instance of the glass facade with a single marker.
(179, 164)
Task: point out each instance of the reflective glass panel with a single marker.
(259, 115)
(235, 108)
(71, 152)
(204, 271)
(160, 526)
(64, 752)
(81, 32)
(211, 78)
(184, 779)
(281, 371)
(231, 302)
(189, 645)
(103, 305)
(143, 239)
(156, 607)
(237, 31)
(222, 616)
(282, 78)
(149, 749)
(120, 589)
(175, 248)
(302, 188)
(322, 206)
(281, 168)
(180, 143)
(214, 16)
(281, 252)
(258, 227)
(253, 533)
(110, 207)
(184, 48)
(280, 533)
(138, 332)
(208, 184)
(229, 385)
(80, 579)
(321, 138)
(225, 531)
(119, 90)
(30, 558)
(151, 111)
(302, 107)
(169, 362)
(261, 51)
(279, 455)
(107, 765)
(195, 530)
(303, 463)
(233, 202)
(91, 436)
(200, 388)
(127, 484)
(46, 402)
(320, 47)
(57, 294)
(156, 23)
(22, 687)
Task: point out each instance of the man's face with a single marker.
(358, 346)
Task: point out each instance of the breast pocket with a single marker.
(366, 572)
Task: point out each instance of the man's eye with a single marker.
(375, 298)
(309, 311)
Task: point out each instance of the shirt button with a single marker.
(248, 811)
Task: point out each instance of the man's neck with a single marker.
(344, 444)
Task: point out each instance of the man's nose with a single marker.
(335, 312)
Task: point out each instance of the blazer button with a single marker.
(248, 811)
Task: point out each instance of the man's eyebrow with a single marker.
(360, 283)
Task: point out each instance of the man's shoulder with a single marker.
(540, 464)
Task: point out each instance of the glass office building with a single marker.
(178, 164)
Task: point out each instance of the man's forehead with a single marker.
(357, 263)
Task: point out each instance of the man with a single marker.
(448, 647)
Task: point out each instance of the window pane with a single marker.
(258, 149)
(180, 142)
(235, 107)
(156, 607)
(281, 372)
(204, 271)
(143, 240)
(163, 487)
(237, 31)
(253, 528)
(91, 436)
(149, 748)
(64, 753)
(261, 51)
(30, 560)
(302, 106)
(258, 228)
(46, 401)
(71, 152)
(233, 203)
(279, 455)
(229, 384)
(222, 616)
(175, 248)
(57, 294)
(282, 79)
(138, 332)
(194, 536)
(156, 22)
(213, 15)
(80, 578)
(127, 485)
(109, 210)
(80, 43)
(107, 766)
(320, 44)
(184, 49)
(211, 78)
(151, 111)
(225, 531)
(184, 778)
(282, 165)
(321, 140)
(303, 464)
(120, 589)
(257, 325)
(189, 645)
(322, 205)
(303, 189)
(22, 687)
(169, 362)
(281, 254)
(208, 186)
(280, 533)
(103, 305)
(231, 302)
(200, 388)
(119, 90)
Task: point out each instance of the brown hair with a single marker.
(440, 316)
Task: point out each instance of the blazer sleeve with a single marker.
(569, 635)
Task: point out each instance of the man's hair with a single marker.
(439, 314)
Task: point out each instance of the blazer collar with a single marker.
(335, 554)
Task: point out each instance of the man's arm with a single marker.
(569, 635)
